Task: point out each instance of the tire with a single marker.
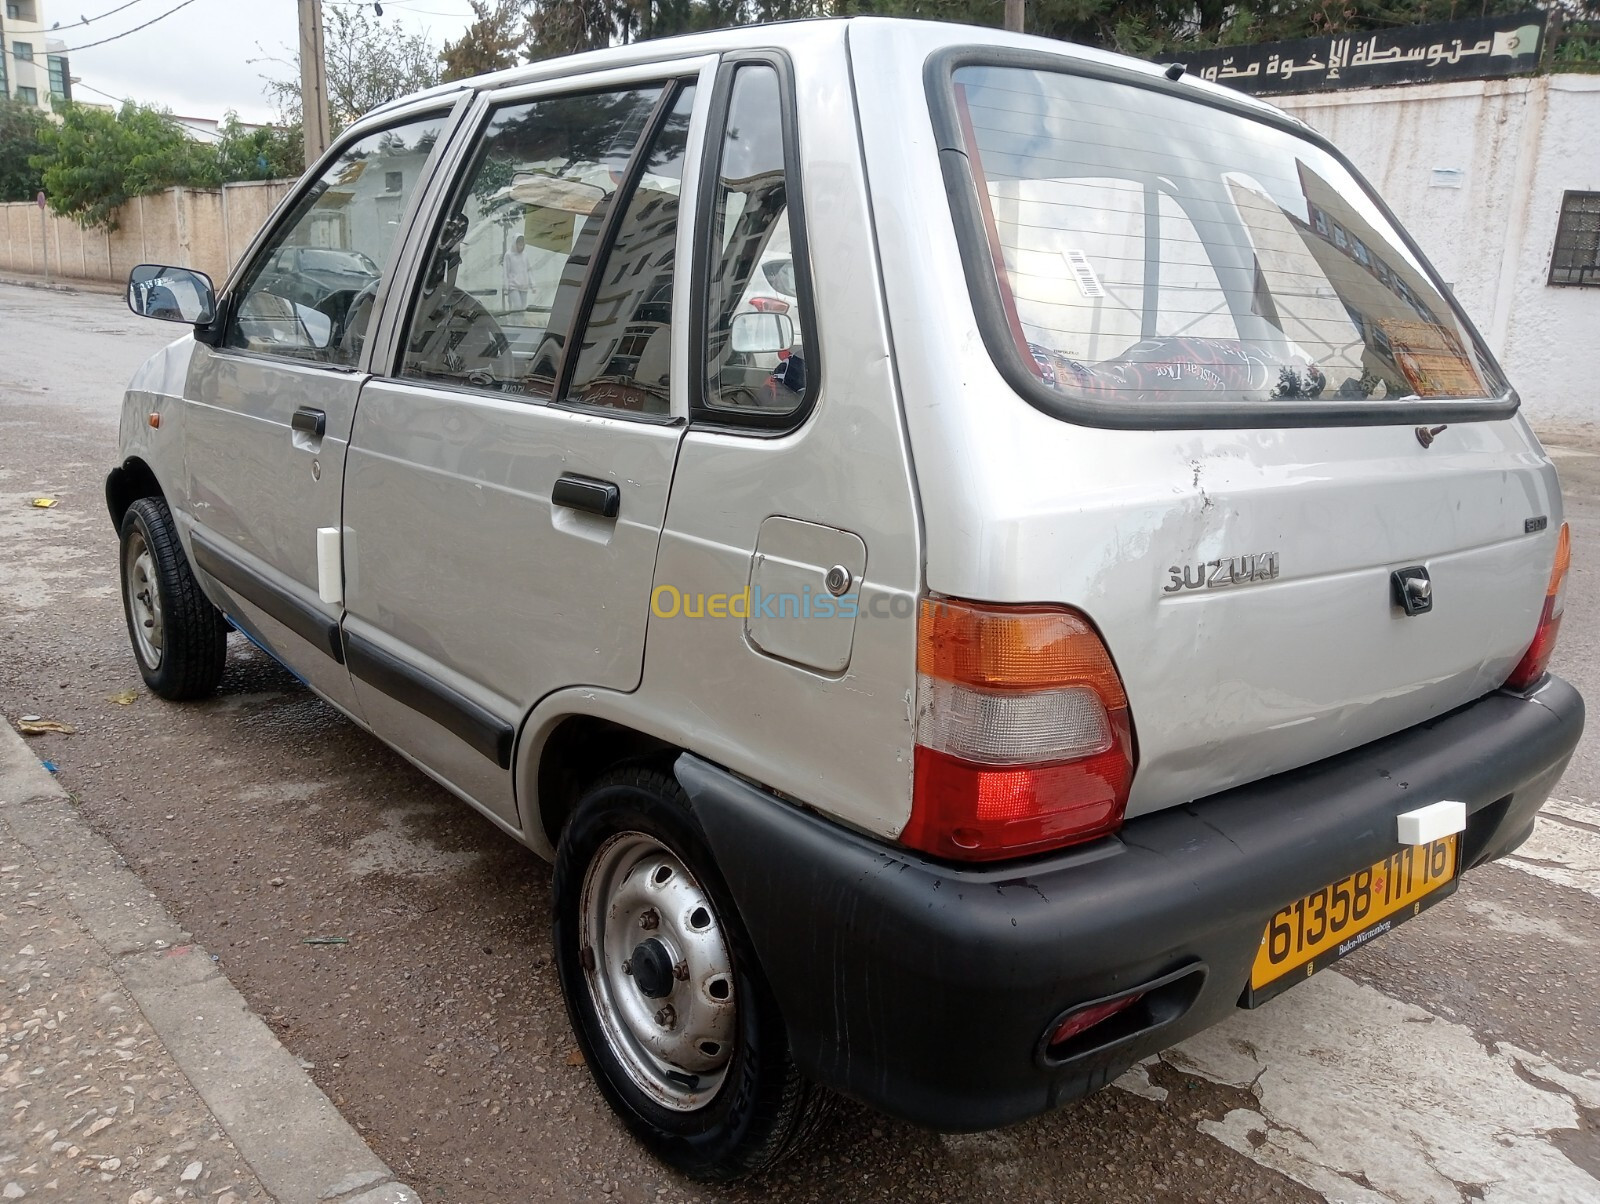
(712, 1090)
(179, 638)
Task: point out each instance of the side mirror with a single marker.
(171, 294)
(761, 334)
(317, 325)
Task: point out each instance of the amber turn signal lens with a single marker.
(1014, 648)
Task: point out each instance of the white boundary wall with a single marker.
(1476, 170)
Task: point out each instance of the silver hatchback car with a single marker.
(1110, 583)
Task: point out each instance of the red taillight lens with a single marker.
(1536, 659)
(1023, 737)
(769, 305)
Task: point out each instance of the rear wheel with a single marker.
(673, 1014)
(179, 638)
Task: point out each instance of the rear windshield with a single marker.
(1149, 249)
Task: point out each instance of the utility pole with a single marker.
(1014, 15)
(314, 81)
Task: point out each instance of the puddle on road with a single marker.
(393, 850)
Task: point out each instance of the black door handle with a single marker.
(585, 493)
(310, 422)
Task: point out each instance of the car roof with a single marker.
(925, 37)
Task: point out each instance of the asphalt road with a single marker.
(1453, 1060)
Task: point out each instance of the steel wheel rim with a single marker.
(675, 1046)
(144, 601)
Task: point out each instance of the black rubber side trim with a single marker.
(306, 621)
(481, 729)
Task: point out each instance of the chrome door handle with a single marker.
(586, 493)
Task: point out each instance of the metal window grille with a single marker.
(1576, 258)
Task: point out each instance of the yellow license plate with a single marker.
(1316, 931)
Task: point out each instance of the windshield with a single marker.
(1152, 249)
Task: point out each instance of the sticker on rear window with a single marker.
(1083, 272)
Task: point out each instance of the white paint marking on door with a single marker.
(1355, 1089)
(1564, 847)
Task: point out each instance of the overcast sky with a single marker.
(206, 59)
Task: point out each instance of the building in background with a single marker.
(208, 129)
(32, 67)
(1481, 136)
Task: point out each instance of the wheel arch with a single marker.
(570, 751)
(127, 483)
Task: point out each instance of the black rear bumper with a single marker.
(926, 989)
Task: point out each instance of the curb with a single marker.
(299, 1146)
(104, 287)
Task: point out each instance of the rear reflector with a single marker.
(1087, 1018)
(1536, 659)
(1023, 737)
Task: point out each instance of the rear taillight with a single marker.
(1537, 658)
(1023, 737)
(769, 305)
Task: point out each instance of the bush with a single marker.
(95, 161)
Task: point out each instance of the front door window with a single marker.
(504, 280)
(311, 290)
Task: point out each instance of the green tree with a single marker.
(498, 32)
(266, 153)
(22, 130)
(368, 63)
(95, 161)
(557, 27)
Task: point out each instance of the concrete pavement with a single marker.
(130, 1068)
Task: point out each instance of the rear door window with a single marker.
(1147, 250)
(504, 279)
(760, 350)
(625, 352)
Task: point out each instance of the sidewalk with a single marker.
(60, 284)
(131, 1071)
